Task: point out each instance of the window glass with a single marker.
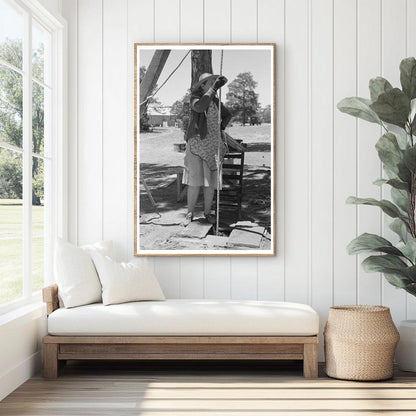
(11, 106)
(11, 34)
(38, 221)
(38, 119)
(11, 226)
(41, 46)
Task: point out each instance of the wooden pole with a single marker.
(217, 224)
(153, 72)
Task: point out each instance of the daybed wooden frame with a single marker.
(58, 349)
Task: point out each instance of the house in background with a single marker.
(161, 116)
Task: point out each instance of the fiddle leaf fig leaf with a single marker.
(412, 109)
(408, 249)
(397, 280)
(410, 272)
(400, 198)
(389, 151)
(380, 182)
(392, 107)
(398, 184)
(408, 77)
(395, 183)
(410, 158)
(366, 243)
(404, 173)
(411, 289)
(378, 86)
(359, 107)
(395, 270)
(381, 263)
(402, 139)
(388, 207)
(400, 228)
(414, 126)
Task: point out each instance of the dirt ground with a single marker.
(161, 163)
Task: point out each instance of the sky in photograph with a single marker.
(234, 62)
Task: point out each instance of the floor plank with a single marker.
(226, 389)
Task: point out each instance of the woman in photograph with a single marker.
(204, 140)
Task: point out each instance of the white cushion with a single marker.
(75, 273)
(126, 282)
(103, 247)
(187, 317)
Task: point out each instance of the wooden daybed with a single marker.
(59, 348)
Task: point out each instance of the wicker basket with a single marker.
(360, 342)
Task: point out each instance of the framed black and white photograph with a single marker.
(205, 169)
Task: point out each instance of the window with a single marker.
(31, 139)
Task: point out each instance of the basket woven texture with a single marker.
(360, 341)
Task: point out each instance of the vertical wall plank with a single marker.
(115, 52)
(393, 51)
(296, 152)
(244, 278)
(140, 29)
(167, 25)
(411, 51)
(192, 21)
(217, 278)
(192, 30)
(271, 278)
(243, 21)
(369, 168)
(217, 26)
(192, 278)
(168, 274)
(70, 11)
(321, 166)
(243, 29)
(345, 151)
(90, 128)
(217, 21)
(167, 29)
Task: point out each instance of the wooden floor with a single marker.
(226, 389)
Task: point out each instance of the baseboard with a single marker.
(10, 380)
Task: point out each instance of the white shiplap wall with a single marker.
(326, 50)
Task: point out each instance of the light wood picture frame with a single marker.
(183, 137)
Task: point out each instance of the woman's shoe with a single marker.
(210, 218)
(188, 219)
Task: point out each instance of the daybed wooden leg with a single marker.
(310, 360)
(50, 360)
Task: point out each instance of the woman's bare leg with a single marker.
(208, 198)
(193, 193)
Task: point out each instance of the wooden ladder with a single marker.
(232, 182)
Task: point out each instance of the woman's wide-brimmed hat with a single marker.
(203, 78)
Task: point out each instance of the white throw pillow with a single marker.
(126, 282)
(75, 273)
(104, 247)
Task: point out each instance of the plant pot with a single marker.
(360, 341)
(406, 350)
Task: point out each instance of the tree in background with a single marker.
(179, 107)
(10, 175)
(11, 116)
(242, 100)
(266, 114)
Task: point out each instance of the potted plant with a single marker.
(394, 109)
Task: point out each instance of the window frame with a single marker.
(57, 226)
